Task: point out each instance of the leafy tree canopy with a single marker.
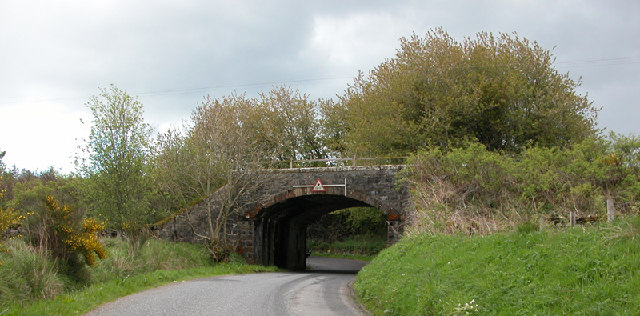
(501, 90)
(234, 133)
(117, 149)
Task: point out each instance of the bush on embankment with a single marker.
(590, 271)
(473, 190)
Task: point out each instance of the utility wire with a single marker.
(614, 61)
(256, 84)
(188, 90)
(602, 61)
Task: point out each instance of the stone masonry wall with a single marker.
(375, 186)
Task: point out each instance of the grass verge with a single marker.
(33, 284)
(89, 298)
(344, 256)
(590, 271)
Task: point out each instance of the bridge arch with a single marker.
(270, 227)
(280, 226)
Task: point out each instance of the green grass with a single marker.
(366, 245)
(154, 255)
(33, 284)
(89, 298)
(27, 275)
(574, 271)
(344, 256)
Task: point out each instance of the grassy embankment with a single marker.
(591, 271)
(32, 284)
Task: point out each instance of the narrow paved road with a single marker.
(322, 291)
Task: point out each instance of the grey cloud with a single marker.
(172, 53)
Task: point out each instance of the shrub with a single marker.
(465, 189)
(8, 219)
(66, 235)
(473, 190)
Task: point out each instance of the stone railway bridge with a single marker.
(269, 219)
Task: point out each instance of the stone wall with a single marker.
(273, 197)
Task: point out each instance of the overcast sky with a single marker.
(55, 54)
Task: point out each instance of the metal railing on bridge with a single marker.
(337, 162)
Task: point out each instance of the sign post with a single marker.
(319, 187)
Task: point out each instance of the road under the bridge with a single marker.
(324, 290)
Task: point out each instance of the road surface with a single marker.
(324, 290)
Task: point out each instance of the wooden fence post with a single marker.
(572, 218)
(611, 210)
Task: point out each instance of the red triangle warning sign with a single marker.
(318, 187)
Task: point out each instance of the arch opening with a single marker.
(355, 231)
(280, 229)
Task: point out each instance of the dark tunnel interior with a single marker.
(280, 230)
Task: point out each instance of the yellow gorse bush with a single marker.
(75, 240)
(8, 219)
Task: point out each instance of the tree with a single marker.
(30, 192)
(2, 166)
(117, 186)
(212, 156)
(333, 126)
(7, 181)
(228, 132)
(223, 148)
(172, 174)
(285, 124)
(501, 90)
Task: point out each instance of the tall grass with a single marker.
(154, 255)
(574, 271)
(29, 277)
(88, 298)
